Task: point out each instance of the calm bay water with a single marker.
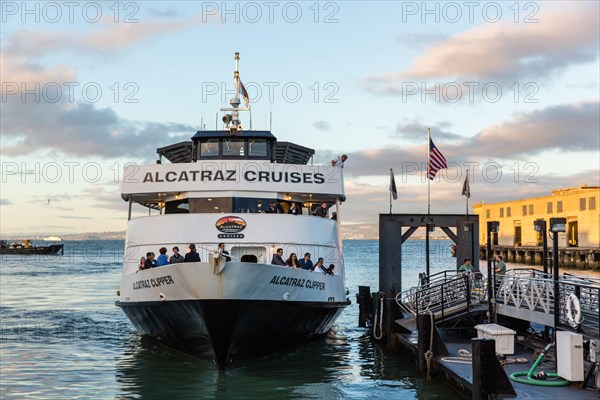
(61, 336)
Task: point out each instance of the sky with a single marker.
(510, 91)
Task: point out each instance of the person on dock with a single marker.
(306, 263)
(162, 259)
(192, 255)
(500, 269)
(466, 267)
(277, 258)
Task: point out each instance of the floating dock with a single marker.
(482, 334)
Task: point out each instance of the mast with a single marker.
(232, 121)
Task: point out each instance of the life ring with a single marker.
(572, 300)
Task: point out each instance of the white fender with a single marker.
(572, 300)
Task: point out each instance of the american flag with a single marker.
(437, 160)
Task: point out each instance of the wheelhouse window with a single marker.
(211, 205)
(209, 147)
(233, 147)
(257, 147)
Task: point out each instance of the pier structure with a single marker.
(577, 257)
(395, 229)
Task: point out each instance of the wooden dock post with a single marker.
(489, 377)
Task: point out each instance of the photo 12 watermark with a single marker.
(289, 92)
(253, 12)
(453, 12)
(54, 12)
(69, 92)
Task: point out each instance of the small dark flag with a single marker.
(466, 191)
(393, 190)
(244, 94)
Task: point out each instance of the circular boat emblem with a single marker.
(231, 224)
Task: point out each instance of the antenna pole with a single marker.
(270, 120)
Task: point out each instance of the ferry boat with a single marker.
(217, 188)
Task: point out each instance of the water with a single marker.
(61, 336)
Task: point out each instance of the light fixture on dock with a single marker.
(539, 225)
(558, 225)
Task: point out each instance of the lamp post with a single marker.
(540, 226)
(492, 226)
(556, 225)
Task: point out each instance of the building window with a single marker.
(502, 213)
(559, 206)
(549, 210)
(531, 209)
(487, 213)
(592, 203)
(508, 211)
(524, 210)
(582, 204)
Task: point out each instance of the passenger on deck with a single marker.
(339, 161)
(162, 259)
(319, 266)
(306, 263)
(294, 209)
(293, 261)
(192, 256)
(142, 262)
(277, 259)
(150, 261)
(322, 210)
(329, 271)
(466, 267)
(225, 253)
(334, 216)
(176, 257)
(274, 208)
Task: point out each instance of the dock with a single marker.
(483, 334)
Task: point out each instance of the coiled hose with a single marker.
(530, 378)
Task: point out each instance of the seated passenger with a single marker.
(306, 263)
(176, 257)
(293, 261)
(322, 210)
(162, 259)
(192, 256)
(277, 259)
(329, 271)
(319, 266)
(150, 261)
(294, 209)
(274, 208)
(221, 250)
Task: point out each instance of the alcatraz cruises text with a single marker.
(232, 176)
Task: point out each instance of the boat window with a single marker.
(233, 147)
(209, 147)
(177, 207)
(211, 205)
(250, 254)
(257, 147)
(248, 205)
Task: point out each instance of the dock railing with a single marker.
(445, 294)
(528, 294)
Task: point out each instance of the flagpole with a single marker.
(427, 172)
(467, 199)
(390, 202)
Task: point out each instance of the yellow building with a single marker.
(578, 205)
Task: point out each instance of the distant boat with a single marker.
(26, 248)
(52, 239)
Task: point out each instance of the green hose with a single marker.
(530, 380)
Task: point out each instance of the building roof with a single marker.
(554, 193)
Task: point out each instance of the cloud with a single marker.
(322, 125)
(5, 202)
(502, 53)
(415, 130)
(72, 217)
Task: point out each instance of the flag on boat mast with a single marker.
(244, 94)
(393, 190)
(466, 190)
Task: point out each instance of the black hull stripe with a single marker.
(227, 329)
